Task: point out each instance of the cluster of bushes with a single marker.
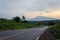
(56, 30)
(15, 23)
(47, 22)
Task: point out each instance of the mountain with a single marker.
(41, 18)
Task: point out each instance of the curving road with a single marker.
(24, 34)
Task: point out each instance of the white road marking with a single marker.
(37, 38)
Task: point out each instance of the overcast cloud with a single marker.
(10, 8)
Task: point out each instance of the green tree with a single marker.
(17, 19)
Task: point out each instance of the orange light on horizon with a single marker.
(51, 14)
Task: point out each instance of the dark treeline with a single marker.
(18, 19)
(46, 22)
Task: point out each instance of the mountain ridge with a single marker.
(40, 18)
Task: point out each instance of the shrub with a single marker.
(16, 19)
(56, 30)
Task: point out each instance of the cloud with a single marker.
(51, 14)
(10, 8)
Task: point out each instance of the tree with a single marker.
(24, 20)
(16, 19)
(23, 17)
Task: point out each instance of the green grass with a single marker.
(12, 25)
(56, 29)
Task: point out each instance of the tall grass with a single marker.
(12, 25)
(56, 30)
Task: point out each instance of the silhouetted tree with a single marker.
(24, 20)
(16, 19)
(51, 23)
(23, 17)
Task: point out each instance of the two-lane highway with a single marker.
(24, 34)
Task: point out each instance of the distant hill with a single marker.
(41, 18)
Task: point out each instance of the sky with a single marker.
(30, 8)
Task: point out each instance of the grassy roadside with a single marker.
(56, 30)
(12, 25)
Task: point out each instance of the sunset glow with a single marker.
(51, 14)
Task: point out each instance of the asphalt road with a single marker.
(24, 34)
